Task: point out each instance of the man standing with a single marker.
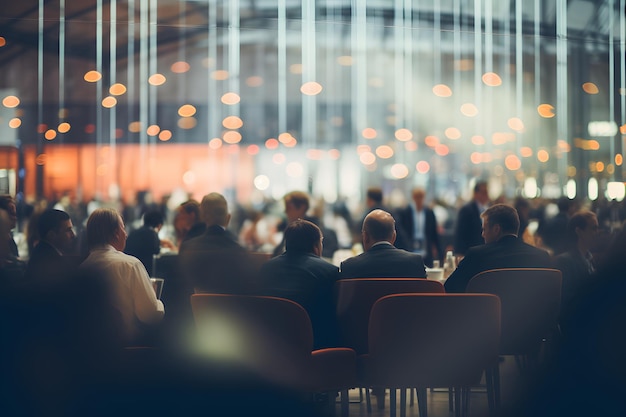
(502, 249)
(381, 259)
(418, 225)
(300, 275)
(468, 224)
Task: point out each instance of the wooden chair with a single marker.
(431, 340)
(272, 337)
(531, 300)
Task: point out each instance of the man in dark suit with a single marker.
(215, 262)
(144, 243)
(468, 224)
(381, 259)
(47, 262)
(418, 226)
(300, 275)
(502, 249)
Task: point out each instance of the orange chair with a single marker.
(272, 337)
(531, 302)
(431, 340)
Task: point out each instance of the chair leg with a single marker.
(412, 396)
(496, 385)
(466, 401)
(392, 402)
(422, 402)
(450, 399)
(458, 406)
(368, 401)
(403, 402)
(345, 403)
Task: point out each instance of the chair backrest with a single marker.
(355, 298)
(531, 303)
(268, 335)
(433, 340)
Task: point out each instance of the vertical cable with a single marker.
(622, 39)
(282, 67)
(399, 61)
(130, 87)
(537, 69)
(99, 115)
(359, 71)
(561, 76)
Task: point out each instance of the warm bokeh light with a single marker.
(599, 166)
(619, 159)
(384, 151)
(543, 155)
(546, 110)
(3, 41)
(50, 134)
(314, 154)
(311, 88)
(500, 138)
(295, 68)
(464, 64)
(253, 149)
(10, 102)
(442, 150)
(134, 127)
(512, 163)
(476, 158)
(117, 89)
(610, 169)
(478, 140)
(109, 102)
(345, 60)
(563, 146)
(271, 143)
(452, 133)
(42, 127)
(367, 158)
(41, 159)
(153, 130)
(187, 123)
(220, 75)
(571, 171)
(232, 137)
(469, 110)
(165, 135)
(215, 143)
(334, 154)
(180, 67)
(369, 133)
(157, 79)
(186, 110)
(491, 79)
(64, 127)
(404, 135)
(232, 122)
(15, 122)
(261, 182)
(287, 139)
(230, 98)
(515, 123)
(526, 151)
(442, 90)
(92, 76)
(410, 146)
(399, 171)
(363, 148)
(594, 145)
(90, 128)
(590, 88)
(422, 167)
(294, 169)
(254, 81)
(431, 141)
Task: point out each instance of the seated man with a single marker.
(47, 261)
(300, 275)
(132, 292)
(144, 243)
(381, 259)
(502, 249)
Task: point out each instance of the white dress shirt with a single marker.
(132, 291)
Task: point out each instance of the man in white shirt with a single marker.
(132, 292)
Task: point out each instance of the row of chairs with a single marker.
(398, 334)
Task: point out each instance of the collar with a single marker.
(381, 243)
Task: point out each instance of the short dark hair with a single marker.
(50, 219)
(503, 215)
(375, 194)
(579, 220)
(191, 207)
(153, 218)
(297, 198)
(479, 184)
(301, 236)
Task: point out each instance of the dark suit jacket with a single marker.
(215, 262)
(406, 229)
(309, 281)
(143, 243)
(384, 261)
(508, 252)
(47, 267)
(469, 228)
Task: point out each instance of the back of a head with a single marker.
(191, 207)
(102, 226)
(301, 236)
(503, 215)
(564, 204)
(153, 218)
(298, 199)
(375, 194)
(379, 225)
(50, 219)
(579, 220)
(214, 210)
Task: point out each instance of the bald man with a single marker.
(381, 258)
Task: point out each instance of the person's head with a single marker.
(296, 205)
(565, 205)
(56, 228)
(153, 219)
(106, 227)
(582, 228)
(378, 226)
(214, 210)
(303, 236)
(7, 203)
(481, 192)
(5, 228)
(418, 196)
(187, 214)
(499, 220)
(374, 197)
